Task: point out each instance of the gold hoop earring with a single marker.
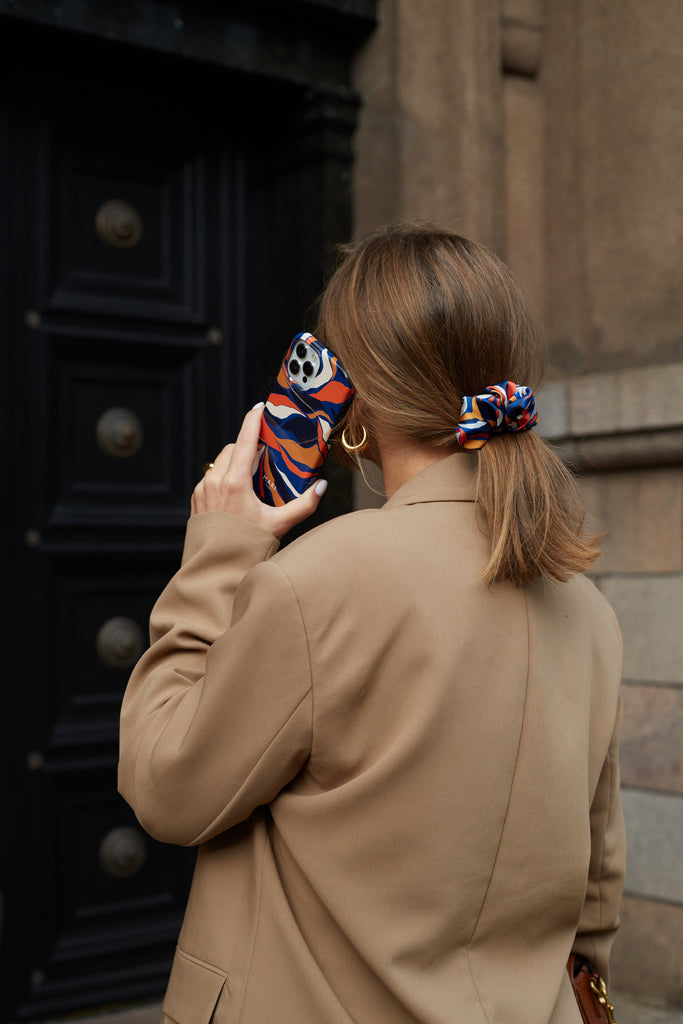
(354, 449)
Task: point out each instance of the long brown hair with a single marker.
(421, 317)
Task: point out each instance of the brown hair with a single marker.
(421, 317)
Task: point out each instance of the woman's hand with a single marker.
(228, 487)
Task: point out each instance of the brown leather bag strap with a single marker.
(590, 991)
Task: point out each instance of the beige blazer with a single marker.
(403, 784)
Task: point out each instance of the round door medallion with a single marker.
(119, 433)
(122, 852)
(119, 642)
(118, 224)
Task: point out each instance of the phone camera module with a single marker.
(301, 350)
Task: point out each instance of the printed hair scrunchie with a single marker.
(503, 406)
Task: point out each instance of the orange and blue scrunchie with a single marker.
(503, 407)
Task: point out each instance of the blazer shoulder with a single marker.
(347, 532)
(589, 595)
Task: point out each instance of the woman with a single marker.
(395, 741)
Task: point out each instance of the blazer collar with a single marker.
(450, 479)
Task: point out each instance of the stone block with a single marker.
(552, 404)
(525, 12)
(632, 1010)
(641, 513)
(631, 137)
(646, 398)
(643, 449)
(652, 739)
(646, 960)
(614, 161)
(654, 836)
(650, 613)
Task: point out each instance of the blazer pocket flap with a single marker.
(193, 989)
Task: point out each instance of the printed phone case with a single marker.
(311, 393)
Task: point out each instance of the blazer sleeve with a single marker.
(600, 916)
(216, 717)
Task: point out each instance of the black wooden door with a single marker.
(146, 211)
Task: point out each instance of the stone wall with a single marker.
(552, 131)
(624, 430)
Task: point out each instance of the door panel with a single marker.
(126, 333)
(162, 256)
(137, 250)
(100, 604)
(102, 901)
(123, 416)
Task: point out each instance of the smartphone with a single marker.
(312, 392)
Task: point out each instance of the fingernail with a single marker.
(259, 405)
(320, 487)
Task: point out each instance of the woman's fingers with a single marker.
(286, 516)
(246, 445)
(228, 486)
(222, 461)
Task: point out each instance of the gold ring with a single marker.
(206, 467)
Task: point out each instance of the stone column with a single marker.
(429, 143)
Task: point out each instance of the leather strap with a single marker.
(590, 991)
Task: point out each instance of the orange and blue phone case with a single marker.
(311, 393)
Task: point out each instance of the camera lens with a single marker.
(294, 366)
(301, 350)
(308, 368)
